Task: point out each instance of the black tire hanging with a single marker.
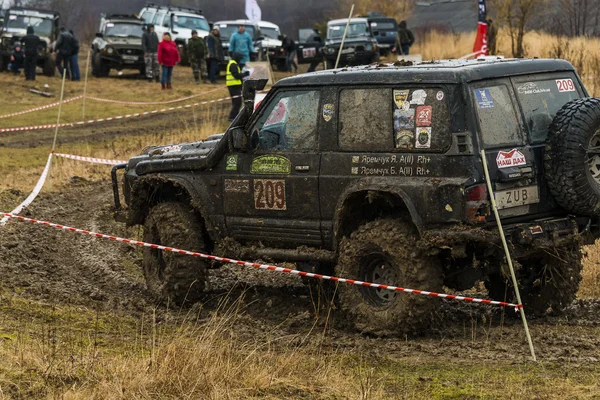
(572, 162)
(170, 276)
(384, 251)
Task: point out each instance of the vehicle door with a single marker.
(309, 46)
(271, 193)
(512, 162)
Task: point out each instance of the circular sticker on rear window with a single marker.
(439, 96)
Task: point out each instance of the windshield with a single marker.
(41, 26)
(123, 30)
(270, 33)
(541, 100)
(228, 30)
(354, 29)
(188, 22)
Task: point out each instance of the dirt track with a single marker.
(58, 266)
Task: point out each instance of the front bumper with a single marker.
(119, 63)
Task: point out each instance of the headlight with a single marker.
(6, 41)
(369, 47)
(329, 50)
(110, 50)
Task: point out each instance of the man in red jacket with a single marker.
(168, 57)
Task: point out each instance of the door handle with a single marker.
(302, 168)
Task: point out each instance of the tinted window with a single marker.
(228, 30)
(289, 122)
(541, 100)
(271, 33)
(42, 26)
(354, 30)
(148, 16)
(386, 119)
(497, 118)
(188, 22)
(123, 30)
(158, 19)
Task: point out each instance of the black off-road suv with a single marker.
(374, 173)
(118, 45)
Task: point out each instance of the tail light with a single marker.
(478, 205)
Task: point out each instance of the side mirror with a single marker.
(375, 33)
(318, 39)
(100, 35)
(239, 139)
(260, 38)
(251, 86)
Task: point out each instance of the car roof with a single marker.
(236, 22)
(443, 71)
(344, 20)
(266, 24)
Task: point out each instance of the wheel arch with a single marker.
(362, 203)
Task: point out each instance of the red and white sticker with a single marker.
(565, 85)
(424, 115)
(513, 158)
(269, 194)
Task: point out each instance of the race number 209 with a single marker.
(269, 194)
(565, 85)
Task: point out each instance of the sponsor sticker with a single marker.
(12, 17)
(424, 114)
(327, 112)
(110, 25)
(565, 85)
(269, 194)
(271, 164)
(400, 97)
(309, 52)
(404, 119)
(484, 98)
(237, 185)
(405, 106)
(439, 96)
(418, 97)
(423, 139)
(531, 88)
(232, 163)
(404, 139)
(511, 158)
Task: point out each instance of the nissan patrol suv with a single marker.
(374, 173)
(118, 45)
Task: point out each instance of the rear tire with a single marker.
(384, 251)
(170, 276)
(573, 157)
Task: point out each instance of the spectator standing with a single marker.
(491, 37)
(75, 73)
(241, 42)
(168, 57)
(215, 54)
(404, 40)
(289, 46)
(17, 59)
(234, 83)
(197, 54)
(64, 51)
(31, 44)
(150, 49)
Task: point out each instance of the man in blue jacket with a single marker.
(241, 42)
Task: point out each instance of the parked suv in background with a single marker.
(360, 46)
(228, 28)
(118, 45)
(271, 44)
(374, 173)
(178, 21)
(14, 27)
(386, 29)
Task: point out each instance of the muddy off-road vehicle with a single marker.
(14, 26)
(118, 45)
(374, 173)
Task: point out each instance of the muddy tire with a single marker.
(573, 157)
(547, 284)
(384, 252)
(169, 276)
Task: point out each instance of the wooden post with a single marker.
(344, 37)
(87, 68)
(62, 92)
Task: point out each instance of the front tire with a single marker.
(384, 252)
(170, 276)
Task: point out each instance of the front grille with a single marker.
(360, 48)
(130, 52)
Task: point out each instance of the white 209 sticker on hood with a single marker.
(511, 158)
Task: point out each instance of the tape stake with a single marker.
(91, 159)
(262, 266)
(40, 108)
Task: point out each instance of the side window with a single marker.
(388, 119)
(365, 119)
(148, 16)
(158, 19)
(497, 118)
(289, 122)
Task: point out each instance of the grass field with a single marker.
(59, 350)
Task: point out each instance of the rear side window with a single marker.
(541, 100)
(387, 119)
(497, 118)
(148, 16)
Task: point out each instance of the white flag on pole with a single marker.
(253, 11)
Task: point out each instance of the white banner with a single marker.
(253, 11)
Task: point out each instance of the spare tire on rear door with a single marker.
(572, 161)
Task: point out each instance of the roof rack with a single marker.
(175, 8)
(40, 10)
(121, 16)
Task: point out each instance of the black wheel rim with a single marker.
(378, 268)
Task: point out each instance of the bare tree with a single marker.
(516, 14)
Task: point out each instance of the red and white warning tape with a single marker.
(139, 103)
(41, 108)
(34, 193)
(92, 121)
(90, 159)
(264, 266)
